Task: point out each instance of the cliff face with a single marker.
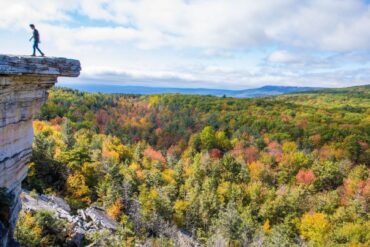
(23, 89)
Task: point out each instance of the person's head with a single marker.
(32, 26)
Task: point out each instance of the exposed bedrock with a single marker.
(24, 82)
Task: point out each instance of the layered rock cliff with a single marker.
(24, 82)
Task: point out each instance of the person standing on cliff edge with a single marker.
(36, 40)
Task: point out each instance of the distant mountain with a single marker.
(246, 93)
(363, 91)
(271, 90)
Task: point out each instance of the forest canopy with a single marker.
(282, 171)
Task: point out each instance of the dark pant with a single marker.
(36, 47)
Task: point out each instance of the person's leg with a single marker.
(34, 49)
(37, 47)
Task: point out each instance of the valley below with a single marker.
(199, 170)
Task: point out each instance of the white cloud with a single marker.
(318, 24)
(215, 77)
(20, 13)
(324, 24)
(96, 72)
(283, 57)
(207, 41)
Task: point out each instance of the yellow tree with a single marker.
(315, 227)
(115, 210)
(77, 190)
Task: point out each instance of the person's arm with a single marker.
(32, 37)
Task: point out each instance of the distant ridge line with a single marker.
(267, 90)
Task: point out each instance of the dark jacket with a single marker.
(36, 36)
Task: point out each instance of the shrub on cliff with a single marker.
(41, 229)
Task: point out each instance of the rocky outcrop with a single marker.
(24, 82)
(87, 220)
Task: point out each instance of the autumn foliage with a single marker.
(289, 170)
(305, 177)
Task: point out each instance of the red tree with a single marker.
(101, 117)
(305, 177)
(216, 154)
(251, 154)
(154, 154)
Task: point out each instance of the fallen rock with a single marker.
(99, 216)
(92, 219)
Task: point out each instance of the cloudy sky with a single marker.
(230, 44)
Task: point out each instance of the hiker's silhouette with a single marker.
(36, 40)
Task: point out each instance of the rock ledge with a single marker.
(24, 82)
(23, 65)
